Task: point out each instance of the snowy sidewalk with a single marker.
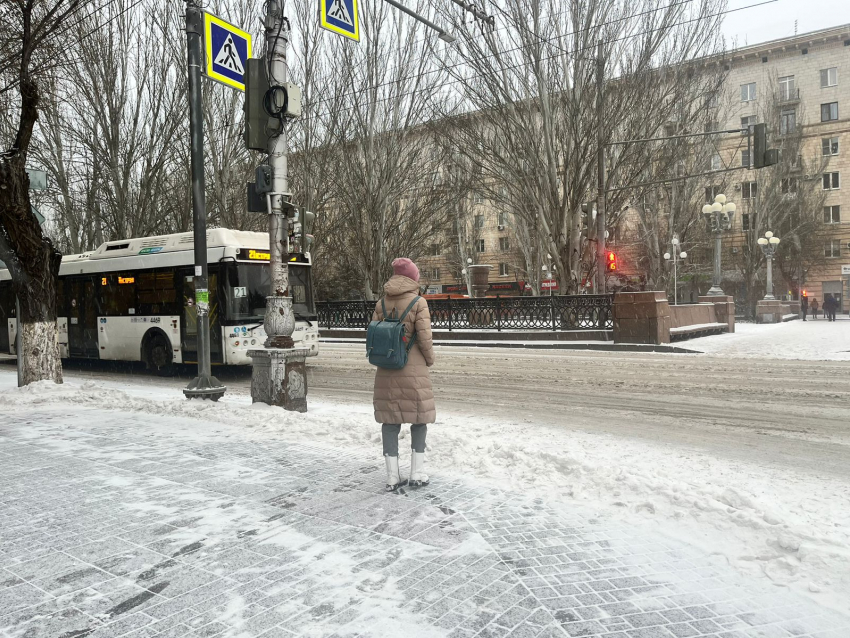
(133, 523)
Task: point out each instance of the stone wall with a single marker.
(642, 317)
(692, 314)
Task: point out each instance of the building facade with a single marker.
(802, 85)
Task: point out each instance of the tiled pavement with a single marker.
(110, 527)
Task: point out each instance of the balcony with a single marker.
(789, 95)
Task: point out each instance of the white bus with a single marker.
(133, 300)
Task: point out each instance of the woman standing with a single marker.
(405, 395)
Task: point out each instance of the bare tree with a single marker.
(383, 167)
(28, 54)
(531, 94)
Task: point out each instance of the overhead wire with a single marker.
(360, 92)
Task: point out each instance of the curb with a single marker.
(562, 345)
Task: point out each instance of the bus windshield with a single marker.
(248, 285)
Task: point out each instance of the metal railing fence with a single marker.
(565, 312)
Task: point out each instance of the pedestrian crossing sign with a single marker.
(227, 51)
(340, 16)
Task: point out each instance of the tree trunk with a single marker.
(32, 260)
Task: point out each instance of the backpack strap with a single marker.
(409, 308)
(383, 307)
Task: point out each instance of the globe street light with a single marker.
(768, 245)
(678, 254)
(719, 216)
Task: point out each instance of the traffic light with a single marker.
(256, 118)
(611, 262)
(307, 230)
(763, 156)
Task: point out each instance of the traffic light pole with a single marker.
(279, 373)
(203, 386)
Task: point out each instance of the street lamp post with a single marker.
(768, 244)
(549, 269)
(678, 254)
(719, 216)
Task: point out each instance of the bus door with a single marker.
(189, 322)
(82, 318)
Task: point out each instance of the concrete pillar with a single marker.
(642, 317)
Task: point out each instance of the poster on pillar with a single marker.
(227, 51)
(340, 16)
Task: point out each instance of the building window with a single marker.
(504, 270)
(710, 193)
(711, 126)
(832, 248)
(829, 112)
(829, 77)
(749, 122)
(748, 92)
(503, 219)
(711, 100)
(749, 190)
(788, 186)
(479, 246)
(716, 163)
(830, 145)
(504, 244)
(831, 181)
(478, 199)
(787, 88)
(832, 214)
(432, 274)
(436, 251)
(479, 221)
(787, 121)
(745, 221)
(745, 159)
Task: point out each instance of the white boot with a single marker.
(418, 478)
(393, 479)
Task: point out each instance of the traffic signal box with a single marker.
(763, 156)
(611, 262)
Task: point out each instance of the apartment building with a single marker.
(492, 241)
(811, 74)
(802, 83)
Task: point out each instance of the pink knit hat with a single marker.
(406, 268)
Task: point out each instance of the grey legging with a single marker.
(389, 436)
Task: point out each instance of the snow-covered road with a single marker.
(744, 458)
(137, 513)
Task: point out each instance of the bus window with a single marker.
(247, 289)
(156, 293)
(250, 284)
(119, 294)
(7, 311)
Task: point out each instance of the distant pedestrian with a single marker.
(804, 305)
(830, 307)
(814, 305)
(405, 395)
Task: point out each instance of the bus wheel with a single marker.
(160, 358)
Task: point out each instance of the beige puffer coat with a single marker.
(406, 396)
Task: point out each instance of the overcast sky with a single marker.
(776, 20)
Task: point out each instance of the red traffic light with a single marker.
(612, 261)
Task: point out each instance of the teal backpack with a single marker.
(385, 345)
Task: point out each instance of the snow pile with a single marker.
(792, 528)
(812, 340)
